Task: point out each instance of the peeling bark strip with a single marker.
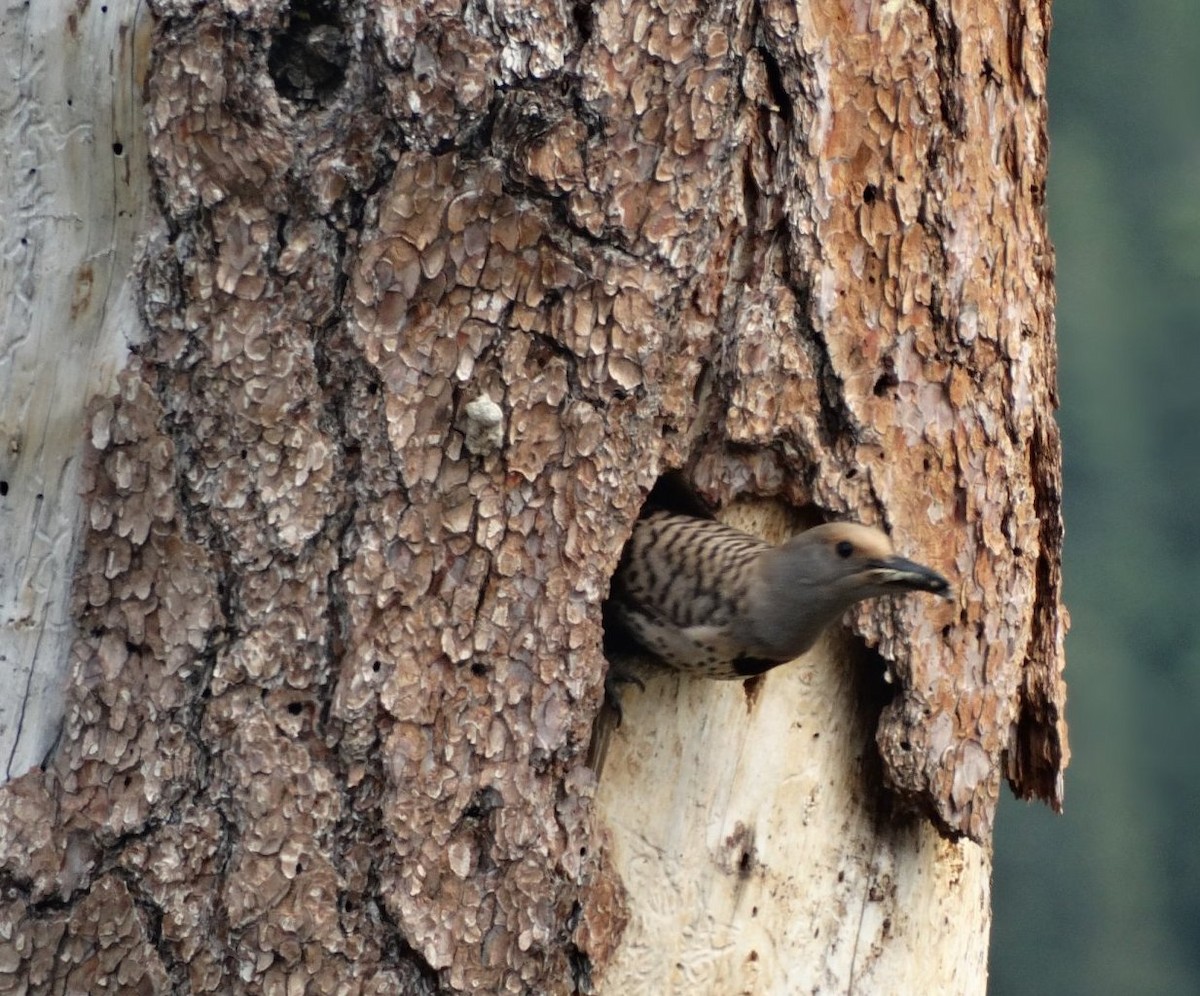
(442, 291)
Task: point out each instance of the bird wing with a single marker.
(680, 589)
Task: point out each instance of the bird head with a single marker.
(814, 577)
(859, 562)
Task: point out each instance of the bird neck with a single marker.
(796, 609)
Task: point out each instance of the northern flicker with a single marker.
(715, 602)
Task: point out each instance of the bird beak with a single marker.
(896, 572)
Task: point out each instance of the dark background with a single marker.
(1106, 899)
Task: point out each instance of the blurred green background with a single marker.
(1106, 899)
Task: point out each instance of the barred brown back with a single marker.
(681, 587)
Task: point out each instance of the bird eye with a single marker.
(844, 549)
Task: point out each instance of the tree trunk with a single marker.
(438, 294)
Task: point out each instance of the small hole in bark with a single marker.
(117, 148)
(483, 802)
(701, 380)
(870, 193)
(376, 665)
(479, 669)
(3, 488)
(295, 708)
(308, 59)
(584, 20)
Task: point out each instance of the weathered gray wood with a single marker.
(74, 193)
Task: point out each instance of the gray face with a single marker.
(812, 579)
(859, 562)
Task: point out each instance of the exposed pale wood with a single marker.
(74, 199)
(752, 834)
